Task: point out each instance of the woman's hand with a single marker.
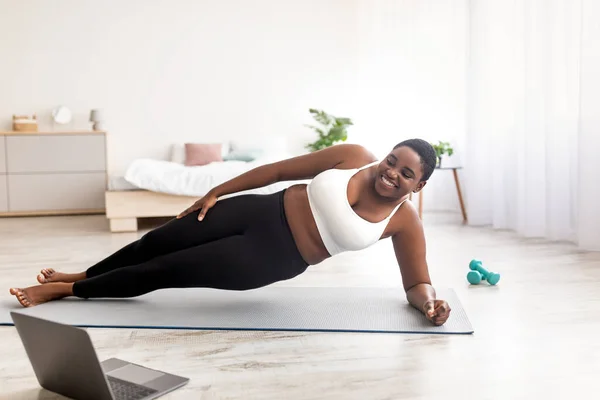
(437, 311)
(203, 205)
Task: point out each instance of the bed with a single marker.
(126, 203)
(158, 188)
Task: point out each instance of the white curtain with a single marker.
(532, 118)
(513, 84)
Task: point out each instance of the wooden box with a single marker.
(23, 123)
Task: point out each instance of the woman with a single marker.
(250, 241)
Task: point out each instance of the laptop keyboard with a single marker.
(123, 390)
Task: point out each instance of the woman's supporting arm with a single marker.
(410, 249)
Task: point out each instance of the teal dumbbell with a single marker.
(479, 273)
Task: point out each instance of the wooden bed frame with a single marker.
(123, 208)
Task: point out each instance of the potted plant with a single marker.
(442, 148)
(332, 129)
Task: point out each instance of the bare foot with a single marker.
(34, 295)
(48, 275)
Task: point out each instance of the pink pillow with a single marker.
(202, 153)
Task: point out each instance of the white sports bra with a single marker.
(341, 229)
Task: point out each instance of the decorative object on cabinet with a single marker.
(24, 123)
(97, 118)
(62, 115)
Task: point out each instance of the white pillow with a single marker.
(178, 151)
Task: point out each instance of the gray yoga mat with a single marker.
(338, 309)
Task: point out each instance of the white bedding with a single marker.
(178, 179)
(119, 184)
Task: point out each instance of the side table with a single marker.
(458, 191)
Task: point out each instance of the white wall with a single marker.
(174, 70)
(412, 81)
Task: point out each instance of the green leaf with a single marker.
(336, 132)
(343, 121)
(320, 131)
(442, 148)
(321, 116)
(332, 131)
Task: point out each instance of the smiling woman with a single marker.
(397, 173)
(352, 201)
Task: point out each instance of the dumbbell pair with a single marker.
(478, 273)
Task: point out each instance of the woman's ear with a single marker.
(420, 186)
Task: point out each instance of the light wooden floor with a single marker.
(536, 333)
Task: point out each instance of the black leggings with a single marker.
(243, 243)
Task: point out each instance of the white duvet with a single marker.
(178, 179)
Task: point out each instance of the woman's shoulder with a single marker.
(354, 156)
(405, 219)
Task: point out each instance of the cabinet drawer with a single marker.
(2, 154)
(55, 153)
(56, 191)
(3, 194)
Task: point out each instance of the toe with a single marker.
(23, 299)
(46, 275)
(14, 291)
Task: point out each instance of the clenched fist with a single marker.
(437, 311)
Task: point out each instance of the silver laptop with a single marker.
(65, 362)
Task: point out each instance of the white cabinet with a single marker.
(52, 173)
(3, 194)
